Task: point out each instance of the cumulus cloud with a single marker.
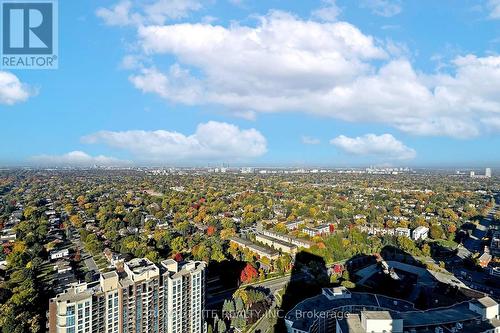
(386, 8)
(330, 69)
(12, 90)
(211, 141)
(127, 12)
(308, 140)
(383, 146)
(177, 85)
(78, 159)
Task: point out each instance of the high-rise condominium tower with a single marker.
(144, 298)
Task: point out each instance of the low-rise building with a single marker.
(323, 229)
(258, 250)
(495, 271)
(276, 243)
(486, 307)
(58, 254)
(420, 233)
(290, 239)
(62, 266)
(485, 258)
(495, 244)
(372, 322)
(402, 232)
(292, 225)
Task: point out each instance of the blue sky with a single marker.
(191, 82)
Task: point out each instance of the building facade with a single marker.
(144, 298)
(420, 233)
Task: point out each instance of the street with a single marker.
(273, 286)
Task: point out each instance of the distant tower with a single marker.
(472, 174)
(488, 172)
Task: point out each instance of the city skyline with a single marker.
(323, 83)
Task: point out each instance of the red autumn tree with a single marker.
(337, 269)
(78, 256)
(248, 274)
(211, 230)
(178, 257)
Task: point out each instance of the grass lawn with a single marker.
(446, 243)
(100, 261)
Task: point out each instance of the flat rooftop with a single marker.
(361, 301)
(72, 296)
(277, 241)
(486, 301)
(456, 313)
(141, 265)
(383, 307)
(351, 324)
(254, 246)
(378, 315)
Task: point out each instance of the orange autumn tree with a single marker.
(211, 230)
(248, 274)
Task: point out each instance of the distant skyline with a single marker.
(261, 83)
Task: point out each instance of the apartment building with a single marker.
(289, 239)
(323, 229)
(145, 298)
(254, 248)
(72, 311)
(402, 232)
(292, 225)
(276, 243)
(183, 296)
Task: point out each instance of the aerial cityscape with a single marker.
(238, 166)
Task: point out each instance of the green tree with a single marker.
(178, 244)
(426, 250)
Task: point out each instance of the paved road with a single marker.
(473, 243)
(87, 258)
(267, 323)
(273, 285)
(91, 265)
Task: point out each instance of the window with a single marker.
(70, 321)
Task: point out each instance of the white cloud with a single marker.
(177, 85)
(211, 141)
(329, 12)
(494, 7)
(77, 158)
(119, 15)
(126, 12)
(308, 140)
(12, 90)
(383, 146)
(386, 8)
(327, 69)
(161, 10)
(132, 62)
